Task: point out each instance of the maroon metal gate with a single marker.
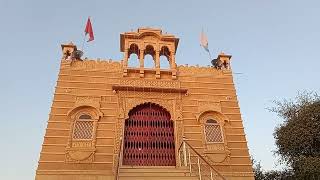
(149, 137)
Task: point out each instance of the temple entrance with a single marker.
(149, 137)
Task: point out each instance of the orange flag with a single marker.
(89, 30)
(204, 41)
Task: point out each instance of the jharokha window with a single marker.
(83, 128)
(213, 131)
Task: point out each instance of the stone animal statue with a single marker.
(219, 64)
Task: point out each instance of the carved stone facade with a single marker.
(130, 99)
(105, 91)
(78, 150)
(149, 41)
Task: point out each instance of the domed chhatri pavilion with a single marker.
(111, 121)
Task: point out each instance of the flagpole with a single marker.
(209, 54)
(88, 30)
(84, 39)
(84, 36)
(204, 43)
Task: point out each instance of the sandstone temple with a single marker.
(112, 121)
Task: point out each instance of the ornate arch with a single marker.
(211, 113)
(133, 49)
(127, 102)
(148, 103)
(165, 50)
(149, 49)
(79, 150)
(132, 103)
(96, 113)
(216, 152)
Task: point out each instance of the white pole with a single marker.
(199, 168)
(184, 154)
(189, 162)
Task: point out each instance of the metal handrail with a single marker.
(119, 160)
(185, 159)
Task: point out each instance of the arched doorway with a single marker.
(149, 137)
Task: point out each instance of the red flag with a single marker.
(89, 30)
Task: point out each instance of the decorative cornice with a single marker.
(149, 86)
(149, 83)
(149, 89)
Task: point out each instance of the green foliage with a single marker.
(257, 169)
(298, 137)
(260, 174)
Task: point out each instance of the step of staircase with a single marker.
(154, 173)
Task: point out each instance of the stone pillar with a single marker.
(125, 63)
(173, 66)
(157, 60)
(125, 59)
(173, 61)
(141, 60)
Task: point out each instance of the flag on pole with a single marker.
(204, 41)
(89, 30)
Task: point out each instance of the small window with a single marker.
(211, 121)
(213, 131)
(83, 128)
(85, 116)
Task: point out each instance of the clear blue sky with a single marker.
(274, 43)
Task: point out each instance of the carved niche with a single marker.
(83, 150)
(216, 152)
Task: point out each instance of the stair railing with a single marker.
(197, 164)
(119, 160)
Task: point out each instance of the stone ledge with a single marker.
(149, 89)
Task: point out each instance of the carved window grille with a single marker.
(83, 128)
(213, 132)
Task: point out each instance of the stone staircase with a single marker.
(155, 173)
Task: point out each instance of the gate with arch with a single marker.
(149, 137)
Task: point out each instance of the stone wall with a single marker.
(90, 85)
